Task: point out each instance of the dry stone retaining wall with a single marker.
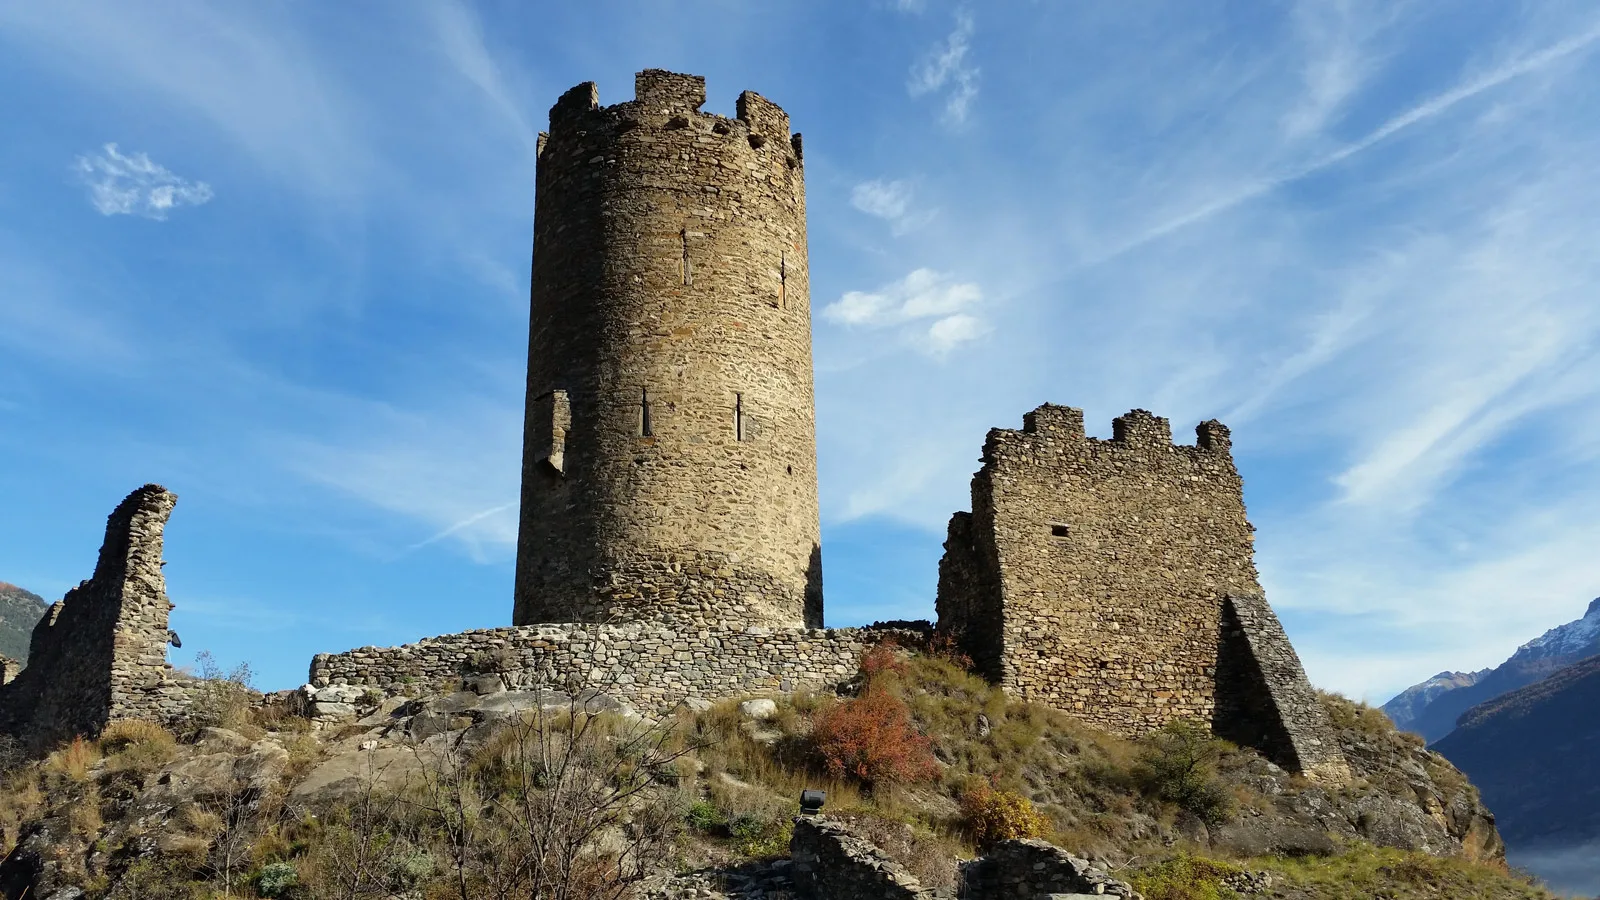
(650, 665)
(1263, 697)
(669, 460)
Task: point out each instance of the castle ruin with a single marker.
(1115, 580)
(100, 652)
(669, 460)
(669, 544)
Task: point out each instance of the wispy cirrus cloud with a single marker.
(947, 70)
(1580, 43)
(133, 184)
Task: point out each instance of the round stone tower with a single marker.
(669, 455)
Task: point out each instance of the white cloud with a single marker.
(946, 67)
(945, 334)
(891, 202)
(921, 295)
(1335, 60)
(136, 185)
(1433, 107)
(884, 199)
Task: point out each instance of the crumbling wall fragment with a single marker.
(99, 653)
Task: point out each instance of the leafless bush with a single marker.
(561, 803)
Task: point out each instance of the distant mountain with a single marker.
(1410, 703)
(1534, 754)
(19, 612)
(1432, 707)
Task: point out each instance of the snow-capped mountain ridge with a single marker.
(1572, 637)
(1431, 708)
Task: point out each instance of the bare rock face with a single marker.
(1400, 795)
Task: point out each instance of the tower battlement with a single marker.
(669, 101)
(1056, 428)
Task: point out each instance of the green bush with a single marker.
(760, 838)
(1178, 765)
(704, 816)
(411, 868)
(277, 879)
(1184, 877)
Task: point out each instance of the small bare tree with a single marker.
(565, 802)
(238, 821)
(360, 855)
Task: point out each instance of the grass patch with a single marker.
(1365, 871)
(73, 760)
(1184, 877)
(137, 745)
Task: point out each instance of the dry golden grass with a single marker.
(22, 800)
(305, 751)
(136, 745)
(83, 814)
(73, 760)
(123, 732)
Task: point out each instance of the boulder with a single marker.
(762, 709)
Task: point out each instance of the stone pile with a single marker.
(830, 862)
(1029, 869)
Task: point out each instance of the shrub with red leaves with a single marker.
(882, 659)
(872, 738)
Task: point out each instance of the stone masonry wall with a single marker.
(669, 465)
(649, 664)
(1032, 869)
(100, 652)
(1263, 697)
(829, 862)
(968, 600)
(1111, 559)
(1091, 575)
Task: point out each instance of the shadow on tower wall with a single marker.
(813, 600)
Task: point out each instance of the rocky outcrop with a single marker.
(1400, 795)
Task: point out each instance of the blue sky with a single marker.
(275, 257)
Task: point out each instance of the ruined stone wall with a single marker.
(829, 862)
(968, 601)
(1032, 869)
(1112, 558)
(649, 664)
(1092, 575)
(100, 652)
(669, 465)
(1263, 697)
